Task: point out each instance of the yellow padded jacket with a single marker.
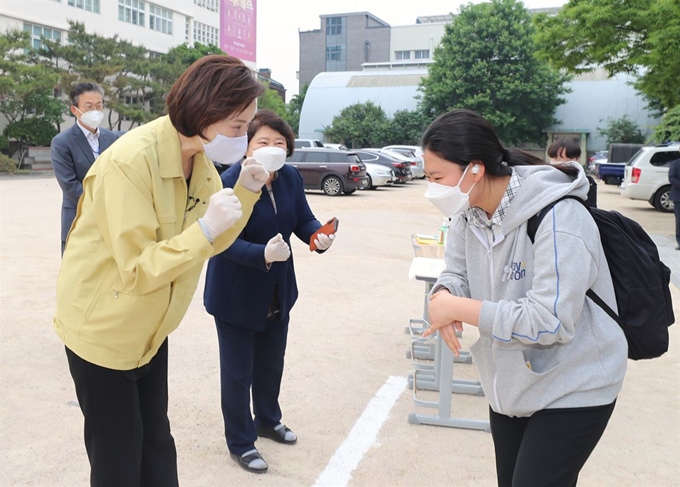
(135, 251)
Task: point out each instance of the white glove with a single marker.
(253, 175)
(224, 210)
(323, 241)
(277, 250)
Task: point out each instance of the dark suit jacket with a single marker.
(238, 286)
(71, 159)
(674, 178)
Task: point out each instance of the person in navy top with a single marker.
(250, 290)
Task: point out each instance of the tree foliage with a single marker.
(622, 130)
(294, 109)
(26, 96)
(669, 128)
(486, 62)
(360, 125)
(407, 127)
(635, 36)
(270, 100)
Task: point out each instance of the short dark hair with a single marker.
(211, 89)
(268, 118)
(572, 148)
(81, 88)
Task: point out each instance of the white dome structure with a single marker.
(330, 92)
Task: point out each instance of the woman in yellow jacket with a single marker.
(152, 212)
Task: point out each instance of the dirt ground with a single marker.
(346, 339)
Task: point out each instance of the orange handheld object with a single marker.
(329, 228)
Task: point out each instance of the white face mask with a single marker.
(92, 119)
(272, 158)
(449, 199)
(226, 150)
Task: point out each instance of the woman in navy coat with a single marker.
(250, 290)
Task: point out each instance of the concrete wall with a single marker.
(415, 37)
(360, 31)
(594, 99)
(364, 39)
(312, 55)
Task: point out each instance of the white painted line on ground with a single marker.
(345, 460)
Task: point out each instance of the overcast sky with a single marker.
(278, 23)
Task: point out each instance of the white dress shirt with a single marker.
(92, 139)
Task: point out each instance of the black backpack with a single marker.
(640, 281)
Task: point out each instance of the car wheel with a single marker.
(662, 200)
(332, 186)
(369, 182)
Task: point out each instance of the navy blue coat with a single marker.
(674, 178)
(238, 286)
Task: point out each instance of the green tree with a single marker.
(622, 130)
(669, 128)
(120, 67)
(408, 126)
(270, 100)
(360, 125)
(637, 36)
(294, 109)
(26, 96)
(168, 67)
(486, 62)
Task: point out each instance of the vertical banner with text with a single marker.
(238, 28)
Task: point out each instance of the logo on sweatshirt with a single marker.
(518, 271)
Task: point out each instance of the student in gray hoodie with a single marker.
(551, 361)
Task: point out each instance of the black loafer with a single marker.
(278, 434)
(251, 461)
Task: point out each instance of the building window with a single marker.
(160, 19)
(333, 53)
(334, 26)
(89, 5)
(422, 54)
(400, 55)
(131, 11)
(209, 4)
(38, 32)
(206, 34)
(187, 29)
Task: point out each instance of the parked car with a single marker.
(307, 143)
(417, 151)
(401, 168)
(329, 170)
(646, 176)
(610, 172)
(417, 168)
(335, 146)
(599, 156)
(378, 175)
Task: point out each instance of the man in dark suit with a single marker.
(75, 149)
(674, 178)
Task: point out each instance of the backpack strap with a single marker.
(534, 222)
(532, 228)
(605, 307)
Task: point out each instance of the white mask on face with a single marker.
(272, 158)
(449, 199)
(226, 150)
(92, 119)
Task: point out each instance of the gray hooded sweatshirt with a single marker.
(542, 343)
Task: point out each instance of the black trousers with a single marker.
(676, 210)
(250, 359)
(549, 448)
(127, 432)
